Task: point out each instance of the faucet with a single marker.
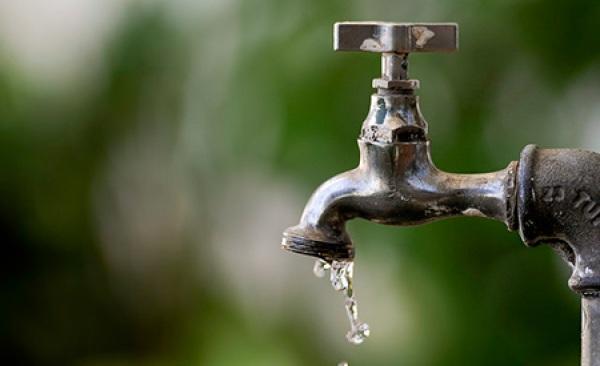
(549, 195)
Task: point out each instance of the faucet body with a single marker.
(549, 196)
(396, 183)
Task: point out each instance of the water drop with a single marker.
(358, 334)
(320, 268)
(359, 331)
(341, 276)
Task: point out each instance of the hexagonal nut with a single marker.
(395, 84)
(395, 37)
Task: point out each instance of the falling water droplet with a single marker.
(359, 331)
(343, 363)
(341, 275)
(321, 268)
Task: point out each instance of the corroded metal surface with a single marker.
(395, 184)
(550, 195)
(558, 204)
(395, 37)
(590, 331)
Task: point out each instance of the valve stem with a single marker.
(394, 66)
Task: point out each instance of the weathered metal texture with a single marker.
(395, 183)
(559, 203)
(395, 41)
(550, 195)
(590, 331)
(395, 37)
(394, 118)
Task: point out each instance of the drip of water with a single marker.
(320, 268)
(340, 277)
(359, 331)
(343, 363)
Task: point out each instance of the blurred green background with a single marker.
(152, 152)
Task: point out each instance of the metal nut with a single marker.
(395, 37)
(395, 84)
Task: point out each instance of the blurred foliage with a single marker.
(196, 106)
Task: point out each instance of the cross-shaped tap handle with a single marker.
(386, 37)
(395, 41)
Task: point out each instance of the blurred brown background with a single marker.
(152, 152)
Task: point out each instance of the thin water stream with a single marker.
(340, 276)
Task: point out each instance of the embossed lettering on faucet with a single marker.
(591, 209)
(582, 197)
(553, 194)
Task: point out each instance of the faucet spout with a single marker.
(395, 184)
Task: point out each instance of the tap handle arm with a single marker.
(395, 41)
(400, 38)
